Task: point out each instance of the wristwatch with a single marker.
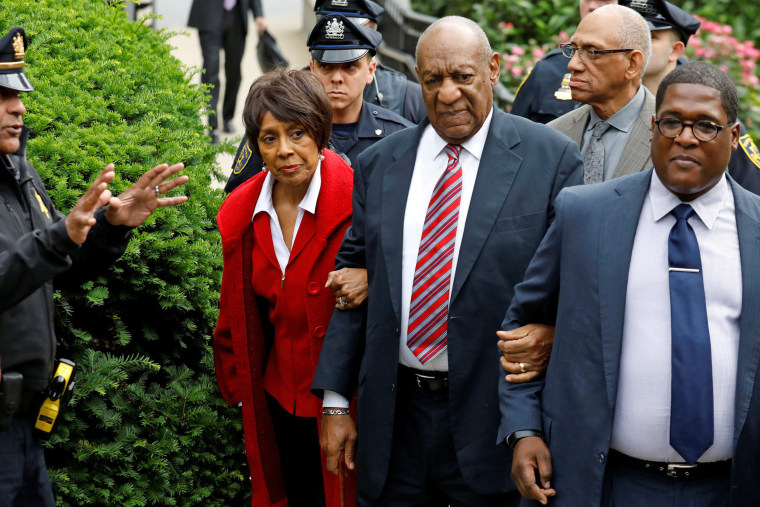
(513, 438)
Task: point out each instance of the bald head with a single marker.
(458, 25)
(631, 29)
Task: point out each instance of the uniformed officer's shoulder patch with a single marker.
(750, 149)
(242, 161)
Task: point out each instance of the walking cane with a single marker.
(340, 480)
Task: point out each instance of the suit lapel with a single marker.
(748, 230)
(636, 156)
(614, 260)
(497, 170)
(396, 181)
(263, 234)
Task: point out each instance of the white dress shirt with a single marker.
(641, 425)
(429, 165)
(265, 204)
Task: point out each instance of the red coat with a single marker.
(240, 350)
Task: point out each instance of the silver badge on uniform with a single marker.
(339, 3)
(334, 29)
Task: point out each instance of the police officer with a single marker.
(342, 58)
(390, 88)
(38, 245)
(544, 94)
(671, 27)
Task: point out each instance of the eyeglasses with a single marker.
(588, 55)
(704, 130)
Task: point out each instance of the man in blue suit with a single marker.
(650, 397)
(425, 368)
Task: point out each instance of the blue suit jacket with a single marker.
(523, 167)
(579, 275)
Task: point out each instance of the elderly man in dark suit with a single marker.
(650, 398)
(446, 217)
(223, 25)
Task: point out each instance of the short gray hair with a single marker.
(633, 31)
(480, 35)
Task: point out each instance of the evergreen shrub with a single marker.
(146, 425)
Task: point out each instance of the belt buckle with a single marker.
(419, 377)
(674, 469)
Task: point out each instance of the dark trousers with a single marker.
(423, 468)
(300, 458)
(231, 39)
(629, 487)
(24, 480)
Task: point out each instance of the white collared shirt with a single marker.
(429, 165)
(641, 425)
(265, 204)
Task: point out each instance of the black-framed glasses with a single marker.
(588, 55)
(704, 130)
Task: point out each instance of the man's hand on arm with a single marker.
(338, 441)
(525, 351)
(531, 458)
(349, 286)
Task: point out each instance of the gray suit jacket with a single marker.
(584, 295)
(636, 155)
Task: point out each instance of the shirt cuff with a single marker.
(333, 399)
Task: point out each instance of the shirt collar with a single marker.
(308, 203)
(706, 206)
(473, 145)
(624, 119)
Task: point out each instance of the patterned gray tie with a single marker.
(593, 155)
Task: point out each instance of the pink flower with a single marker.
(724, 68)
(517, 50)
(538, 53)
(563, 36)
(517, 71)
(727, 29)
(700, 52)
(753, 80)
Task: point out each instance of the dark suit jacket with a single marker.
(584, 260)
(209, 14)
(523, 167)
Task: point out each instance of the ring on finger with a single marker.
(522, 367)
(157, 191)
(342, 302)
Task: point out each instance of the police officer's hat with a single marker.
(12, 50)
(361, 11)
(335, 39)
(661, 15)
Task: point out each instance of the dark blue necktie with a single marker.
(691, 392)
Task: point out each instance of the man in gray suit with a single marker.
(608, 54)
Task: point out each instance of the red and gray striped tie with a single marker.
(429, 309)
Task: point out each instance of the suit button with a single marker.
(393, 388)
(313, 288)
(397, 331)
(601, 457)
(319, 332)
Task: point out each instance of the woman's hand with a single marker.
(349, 286)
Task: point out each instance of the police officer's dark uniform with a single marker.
(374, 122)
(544, 95)
(744, 165)
(390, 88)
(35, 249)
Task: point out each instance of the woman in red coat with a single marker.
(280, 233)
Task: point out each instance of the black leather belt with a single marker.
(674, 470)
(430, 381)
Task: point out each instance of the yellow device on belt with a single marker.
(60, 389)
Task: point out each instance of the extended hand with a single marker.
(137, 203)
(349, 286)
(81, 217)
(261, 24)
(338, 437)
(525, 351)
(531, 455)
